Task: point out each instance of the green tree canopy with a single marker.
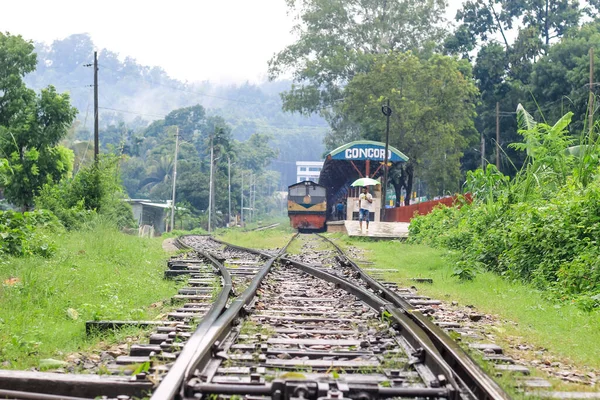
(339, 39)
(433, 103)
(31, 126)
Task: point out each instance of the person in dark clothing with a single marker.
(339, 211)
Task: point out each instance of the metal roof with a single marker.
(339, 172)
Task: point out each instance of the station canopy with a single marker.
(352, 161)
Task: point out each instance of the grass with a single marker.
(564, 330)
(94, 275)
(266, 239)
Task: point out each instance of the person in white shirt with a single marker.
(364, 207)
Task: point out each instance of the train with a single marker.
(307, 206)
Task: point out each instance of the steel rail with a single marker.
(211, 330)
(42, 384)
(473, 378)
(269, 389)
(433, 359)
(413, 333)
(171, 385)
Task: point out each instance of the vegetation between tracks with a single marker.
(265, 239)
(96, 273)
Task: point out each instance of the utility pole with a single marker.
(210, 186)
(482, 152)
(387, 111)
(242, 202)
(250, 184)
(591, 106)
(498, 135)
(174, 178)
(96, 141)
(253, 197)
(229, 189)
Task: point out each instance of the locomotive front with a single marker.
(307, 206)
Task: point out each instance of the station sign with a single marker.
(367, 151)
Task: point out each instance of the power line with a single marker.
(132, 112)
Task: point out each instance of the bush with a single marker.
(542, 227)
(552, 244)
(95, 190)
(23, 234)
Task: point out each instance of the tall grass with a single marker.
(266, 239)
(97, 273)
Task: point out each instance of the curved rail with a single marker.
(464, 368)
(213, 327)
(171, 385)
(412, 332)
(429, 355)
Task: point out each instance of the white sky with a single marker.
(217, 40)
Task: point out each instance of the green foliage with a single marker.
(433, 103)
(487, 186)
(25, 234)
(31, 126)
(96, 189)
(346, 37)
(541, 228)
(544, 59)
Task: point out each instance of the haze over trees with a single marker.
(131, 96)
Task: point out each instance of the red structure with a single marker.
(406, 213)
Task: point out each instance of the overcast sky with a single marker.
(193, 40)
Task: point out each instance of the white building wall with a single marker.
(308, 170)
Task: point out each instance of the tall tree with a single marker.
(503, 67)
(560, 80)
(433, 103)
(339, 39)
(31, 126)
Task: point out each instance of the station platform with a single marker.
(378, 230)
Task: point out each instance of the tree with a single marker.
(560, 80)
(255, 154)
(504, 69)
(550, 18)
(433, 103)
(339, 39)
(31, 126)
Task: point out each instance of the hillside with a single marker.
(131, 96)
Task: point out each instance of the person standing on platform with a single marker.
(364, 207)
(339, 211)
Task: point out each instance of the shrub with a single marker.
(95, 189)
(541, 228)
(23, 234)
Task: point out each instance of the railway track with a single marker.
(266, 324)
(306, 331)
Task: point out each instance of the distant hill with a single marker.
(137, 95)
